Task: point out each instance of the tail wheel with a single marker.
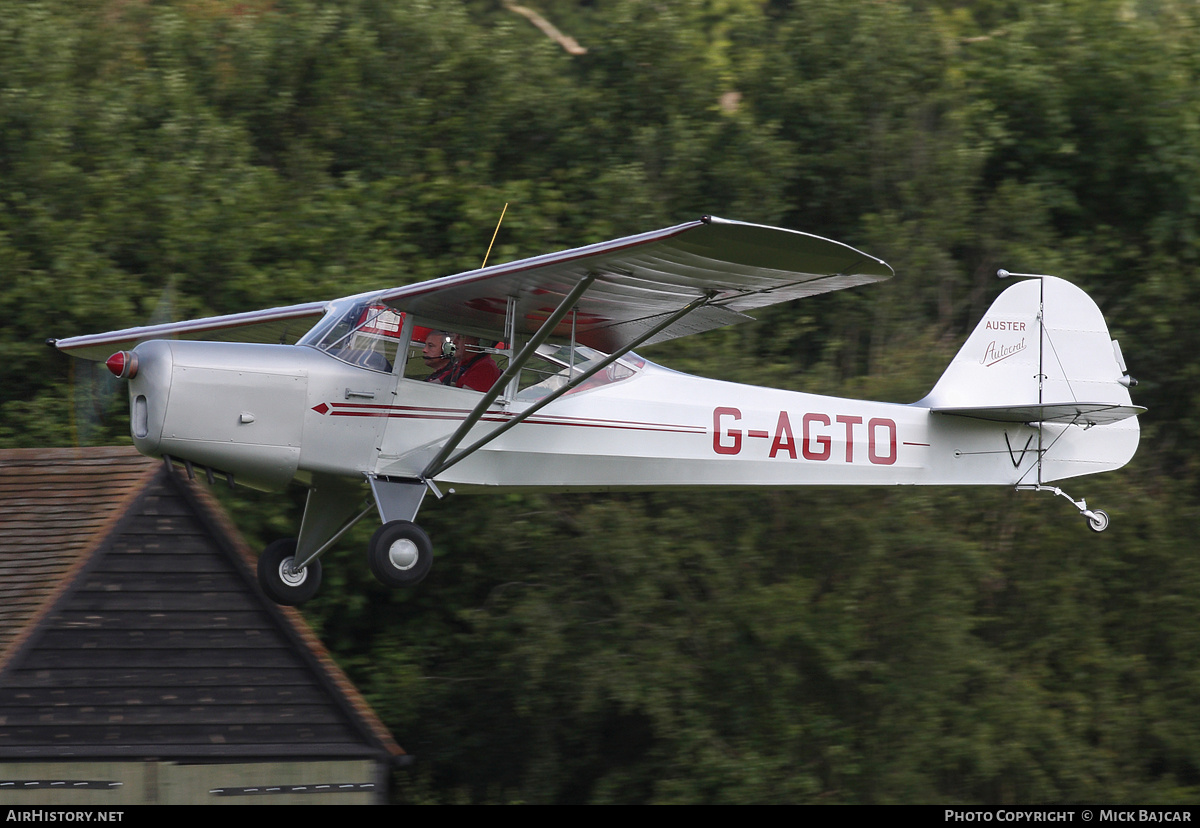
(1098, 522)
(400, 553)
(280, 580)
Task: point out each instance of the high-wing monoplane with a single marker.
(336, 395)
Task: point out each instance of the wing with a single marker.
(641, 279)
(278, 325)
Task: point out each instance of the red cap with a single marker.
(123, 365)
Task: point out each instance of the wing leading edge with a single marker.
(280, 326)
(639, 281)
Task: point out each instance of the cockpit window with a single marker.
(366, 334)
(557, 365)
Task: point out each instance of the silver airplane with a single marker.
(338, 395)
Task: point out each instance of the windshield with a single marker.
(361, 332)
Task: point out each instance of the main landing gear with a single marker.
(400, 554)
(1097, 519)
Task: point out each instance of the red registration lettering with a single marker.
(850, 422)
(815, 442)
(808, 440)
(872, 446)
(734, 434)
(783, 437)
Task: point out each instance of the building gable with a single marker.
(155, 642)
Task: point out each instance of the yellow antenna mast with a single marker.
(493, 241)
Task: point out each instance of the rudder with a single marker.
(1042, 354)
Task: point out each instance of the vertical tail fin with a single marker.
(1042, 355)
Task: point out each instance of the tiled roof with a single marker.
(56, 505)
(133, 625)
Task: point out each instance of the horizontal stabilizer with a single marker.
(1068, 413)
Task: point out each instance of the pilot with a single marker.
(436, 359)
(472, 368)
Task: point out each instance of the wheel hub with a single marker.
(403, 554)
(290, 575)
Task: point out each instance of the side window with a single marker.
(557, 365)
(428, 356)
(449, 358)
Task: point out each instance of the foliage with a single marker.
(175, 159)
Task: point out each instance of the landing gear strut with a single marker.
(1097, 519)
(400, 553)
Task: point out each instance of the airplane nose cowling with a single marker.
(148, 368)
(236, 408)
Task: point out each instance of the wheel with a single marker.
(1099, 520)
(283, 584)
(400, 553)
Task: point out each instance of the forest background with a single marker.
(169, 160)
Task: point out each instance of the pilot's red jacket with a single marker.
(478, 373)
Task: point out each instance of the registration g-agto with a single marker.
(325, 393)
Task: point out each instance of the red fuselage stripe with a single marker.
(406, 412)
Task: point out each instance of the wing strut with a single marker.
(513, 369)
(437, 467)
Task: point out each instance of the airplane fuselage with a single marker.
(269, 414)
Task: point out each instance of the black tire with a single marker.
(282, 586)
(400, 554)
